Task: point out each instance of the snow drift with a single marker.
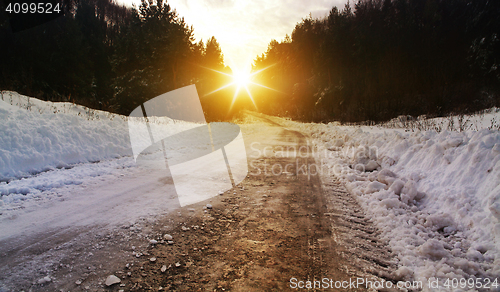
(435, 196)
(37, 136)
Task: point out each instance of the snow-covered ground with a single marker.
(67, 165)
(434, 195)
(64, 164)
(37, 136)
(486, 119)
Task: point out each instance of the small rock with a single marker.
(177, 264)
(170, 242)
(78, 282)
(122, 285)
(184, 228)
(168, 237)
(163, 268)
(153, 259)
(111, 280)
(44, 280)
(129, 274)
(191, 209)
(209, 206)
(152, 241)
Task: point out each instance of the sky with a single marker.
(244, 28)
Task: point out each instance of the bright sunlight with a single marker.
(242, 79)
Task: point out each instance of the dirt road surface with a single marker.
(282, 225)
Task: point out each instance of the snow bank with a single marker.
(46, 145)
(37, 136)
(435, 196)
(486, 119)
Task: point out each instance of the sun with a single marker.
(242, 79)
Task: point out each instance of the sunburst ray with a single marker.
(240, 79)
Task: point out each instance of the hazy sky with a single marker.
(244, 28)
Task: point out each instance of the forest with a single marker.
(378, 59)
(371, 60)
(110, 57)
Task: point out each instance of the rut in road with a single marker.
(268, 230)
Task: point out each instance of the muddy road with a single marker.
(282, 226)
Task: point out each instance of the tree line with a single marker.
(106, 56)
(381, 58)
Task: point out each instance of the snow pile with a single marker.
(37, 136)
(47, 148)
(435, 196)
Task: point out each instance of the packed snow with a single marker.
(434, 195)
